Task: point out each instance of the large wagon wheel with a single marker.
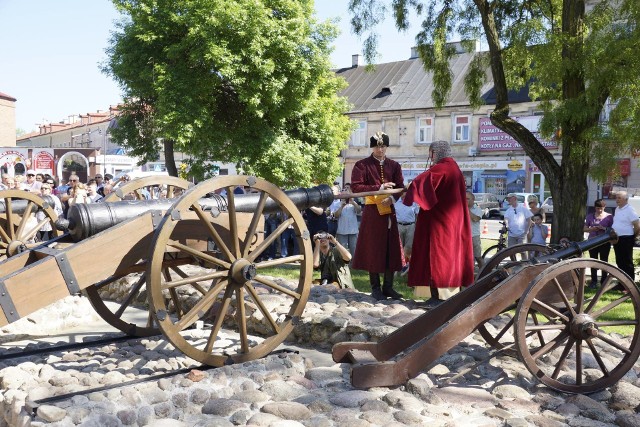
(149, 187)
(118, 313)
(237, 288)
(568, 348)
(500, 337)
(18, 223)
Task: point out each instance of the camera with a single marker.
(321, 236)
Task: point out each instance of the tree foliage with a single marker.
(580, 61)
(243, 81)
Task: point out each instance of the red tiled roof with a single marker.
(7, 97)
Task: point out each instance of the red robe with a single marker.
(442, 248)
(375, 239)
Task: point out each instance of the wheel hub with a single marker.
(241, 272)
(583, 327)
(15, 248)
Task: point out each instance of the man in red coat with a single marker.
(442, 256)
(378, 249)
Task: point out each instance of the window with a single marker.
(462, 128)
(424, 129)
(359, 136)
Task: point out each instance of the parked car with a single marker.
(489, 204)
(548, 208)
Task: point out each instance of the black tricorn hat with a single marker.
(379, 139)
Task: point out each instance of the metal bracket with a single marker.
(65, 268)
(175, 215)
(251, 181)
(156, 217)
(6, 302)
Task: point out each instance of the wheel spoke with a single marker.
(4, 235)
(172, 292)
(545, 327)
(263, 309)
(133, 293)
(213, 232)
(617, 323)
(596, 297)
(254, 223)
(193, 281)
(267, 242)
(9, 208)
(25, 218)
(200, 255)
(610, 306)
(579, 362)
(32, 232)
(550, 346)
(599, 360)
(534, 316)
(547, 310)
(612, 343)
(233, 222)
(201, 306)
(563, 357)
(242, 321)
(270, 283)
(280, 261)
(196, 286)
(219, 318)
(580, 291)
(564, 297)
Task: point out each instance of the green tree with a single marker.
(243, 81)
(574, 61)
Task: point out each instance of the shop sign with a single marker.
(515, 165)
(43, 160)
(491, 138)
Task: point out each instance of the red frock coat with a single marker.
(442, 253)
(374, 242)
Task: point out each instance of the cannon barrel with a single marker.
(577, 248)
(85, 220)
(18, 206)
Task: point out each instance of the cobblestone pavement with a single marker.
(302, 388)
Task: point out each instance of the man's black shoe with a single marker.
(391, 293)
(432, 302)
(377, 294)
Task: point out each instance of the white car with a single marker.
(547, 205)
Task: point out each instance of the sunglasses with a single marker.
(50, 182)
(30, 174)
(73, 180)
(45, 188)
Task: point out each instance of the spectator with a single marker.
(69, 193)
(332, 259)
(316, 221)
(379, 249)
(595, 224)
(538, 232)
(106, 190)
(518, 220)
(332, 221)
(46, 231)
(92, 192)
(406, 216)
(271, 222)
(442, 257)
(21, 183)
(78, 195)
(475, 214)
(627, 227)
(99, 181)
(287, 237)
(347, 232)
(534, 208)
(4, 184)
(108, 180)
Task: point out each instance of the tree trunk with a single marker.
(169, 159)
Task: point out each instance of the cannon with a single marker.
(557, 329)
(196, 260)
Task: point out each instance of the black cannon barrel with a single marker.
(577, 248)
(85, 220)
(18, 206)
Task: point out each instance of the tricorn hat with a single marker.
(379, 139)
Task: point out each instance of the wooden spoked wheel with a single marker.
(245, 309)
(18, 224)
(129, 292)
(569, 347)
(500, 334)
(150, 187)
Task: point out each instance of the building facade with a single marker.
(7, 120)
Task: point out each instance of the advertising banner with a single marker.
(14, 161)
(42, 160)
(492, 138)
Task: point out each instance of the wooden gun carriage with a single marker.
(196, 256)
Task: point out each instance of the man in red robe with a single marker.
(442, 256)
(378, 250)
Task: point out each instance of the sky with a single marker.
(50, 54)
